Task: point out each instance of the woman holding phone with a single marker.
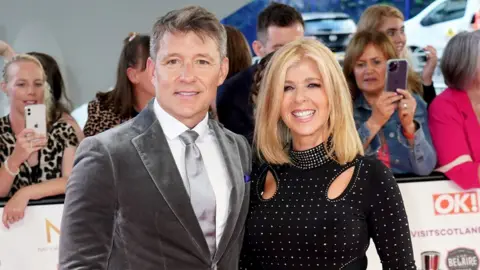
(32, 165)
(392, 123)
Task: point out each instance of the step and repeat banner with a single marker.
(444, 224)
(32, 244)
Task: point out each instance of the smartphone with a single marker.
(396, 75)
(36, 118)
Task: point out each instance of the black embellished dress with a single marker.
(301, 228)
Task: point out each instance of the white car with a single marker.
(435, 25)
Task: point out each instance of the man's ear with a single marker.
(258, 48)
(151, 69)
(223, 70)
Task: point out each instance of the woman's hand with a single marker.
(430, 66)
(14, 210)
(28, 142)
(384, 107)
(406, 111)
(6, 51)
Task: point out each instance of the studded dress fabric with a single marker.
(301, 228)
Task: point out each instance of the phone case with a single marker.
(36, 118)
(396, 75)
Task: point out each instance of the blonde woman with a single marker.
(316, 201)
(32, 166)
(389, 20)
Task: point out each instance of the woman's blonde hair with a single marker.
(272, 135)
(47, 93)
(374, 16)
(379, 40)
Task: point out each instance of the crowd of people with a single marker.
(197, 159)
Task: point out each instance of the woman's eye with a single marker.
(287, 88)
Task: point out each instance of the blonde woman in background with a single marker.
(32, 166)
(390, 21)
(61, 106)
(315, 200)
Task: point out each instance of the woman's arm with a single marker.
(450, 140)
(54, 186)
(368, 132)
(387, 220)
(7, 176)
(417, 139)
(6, 51)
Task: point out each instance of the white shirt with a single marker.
(212, 158)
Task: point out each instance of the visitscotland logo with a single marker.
(456, 203)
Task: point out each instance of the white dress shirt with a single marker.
(212, 158)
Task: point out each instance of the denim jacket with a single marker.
(419, 159)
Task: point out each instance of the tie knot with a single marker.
(189, 137)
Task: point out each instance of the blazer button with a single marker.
(397, 161)
(392, 135)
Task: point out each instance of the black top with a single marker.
(429, 93)
(234, 109)
(301, 228)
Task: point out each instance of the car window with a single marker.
(329, 25)
(446, 11)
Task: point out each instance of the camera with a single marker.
(393, 66)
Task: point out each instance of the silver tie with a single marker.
(200, 189)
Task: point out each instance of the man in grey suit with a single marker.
(168, 189)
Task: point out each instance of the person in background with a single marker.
(315, 200)
(392, 123)
(239, 57)
(277, 25)
(257, 79)
(390, 21)
(62, 106)
(454, 116)
(32, 166)
(238, 51)
(133, 89)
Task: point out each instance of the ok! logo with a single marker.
(456, 203)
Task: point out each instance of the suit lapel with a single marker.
(233, 164)
(154, 151)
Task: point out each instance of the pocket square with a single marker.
(246, 178)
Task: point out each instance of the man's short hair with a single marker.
(189, 19)
(279, 15)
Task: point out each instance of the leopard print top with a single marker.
(101, 117)
(60, 137)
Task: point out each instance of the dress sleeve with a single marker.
(429, 93)
(423, 157)
(92, 119)
(65, 134)
(387, 220)
(448, 136)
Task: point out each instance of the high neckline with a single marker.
(313, 157)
